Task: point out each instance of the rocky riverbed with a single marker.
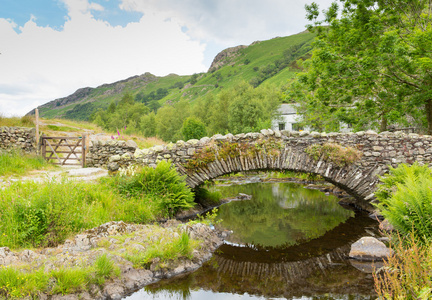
(121, 242)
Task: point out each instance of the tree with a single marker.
(193, 129)
(370, 67)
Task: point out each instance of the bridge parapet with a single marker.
(208, 158)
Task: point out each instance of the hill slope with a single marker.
(271, 62)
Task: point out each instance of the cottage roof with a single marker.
(287, 109)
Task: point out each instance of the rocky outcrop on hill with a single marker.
(225, 57)
(84, 94)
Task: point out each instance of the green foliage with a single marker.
(337, 154)
(193, 129)
(15, 162)
(163, 184)
(405, 200)
(369, 68)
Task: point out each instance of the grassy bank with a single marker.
(15, 162)
(45, 214)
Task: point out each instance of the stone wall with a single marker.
(18, 137)
(101, 153)
(379, 151)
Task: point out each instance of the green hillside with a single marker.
(269, 62)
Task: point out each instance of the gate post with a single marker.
(84, 148)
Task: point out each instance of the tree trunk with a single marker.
(429, 116)
(383, 126)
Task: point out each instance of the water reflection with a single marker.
(288, 243)
(279, 214)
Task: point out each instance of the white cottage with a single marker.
(288, 118)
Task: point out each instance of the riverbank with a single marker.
(141, 254)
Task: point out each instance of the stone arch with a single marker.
(208, 158)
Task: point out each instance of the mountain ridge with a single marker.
(271, 61)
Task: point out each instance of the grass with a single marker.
(406, 275)
(164, 249)
(25, 121)
(45, 214)
(15, 162)
(16, 283)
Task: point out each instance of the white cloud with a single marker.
(231, 22)
(41, 64)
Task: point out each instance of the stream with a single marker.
(288, 242)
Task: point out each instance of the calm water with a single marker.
(288, 242)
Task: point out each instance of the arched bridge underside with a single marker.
(371, 155)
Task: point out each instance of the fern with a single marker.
(406, 200)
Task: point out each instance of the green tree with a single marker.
(148, 124)
(371, 67)
(193, 129)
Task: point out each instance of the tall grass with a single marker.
(25, 121)
(35, 214)
(15, 162)
(45, 214)
(407, 274)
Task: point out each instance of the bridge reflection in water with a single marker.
(318, 269)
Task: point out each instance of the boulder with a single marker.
(370, 249)
(386, 226)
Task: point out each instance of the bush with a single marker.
(163, 184)
(193, 129)
(405, 200)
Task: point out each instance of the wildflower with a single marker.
(112, 137)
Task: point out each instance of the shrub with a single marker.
(335, 153)
(162, 184)
(193, 129)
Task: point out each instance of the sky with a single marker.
(51, 48)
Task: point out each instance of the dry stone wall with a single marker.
(18, 137)
(101, 153)
(274, 150)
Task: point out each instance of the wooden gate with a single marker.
(64, 149)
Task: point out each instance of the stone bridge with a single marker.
(208, 158)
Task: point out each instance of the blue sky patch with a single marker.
(53, 13)
(50, 13)
(114, 15)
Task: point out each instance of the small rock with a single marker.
(369, 249)
(386, 226)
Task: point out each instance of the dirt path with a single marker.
(70, 172)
